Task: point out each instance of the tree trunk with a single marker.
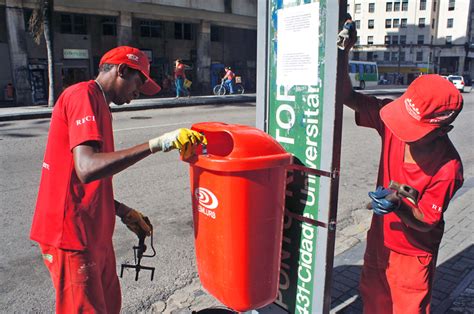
(48, 36)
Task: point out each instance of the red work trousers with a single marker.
(395, 283)
(85, 281)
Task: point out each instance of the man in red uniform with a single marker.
(179, 77)
(404, 237)
(229, 79)
(75, 212)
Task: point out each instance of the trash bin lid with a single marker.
(235, 147)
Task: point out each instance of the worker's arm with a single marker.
(133, 219)
(413, 217)
(90, 164)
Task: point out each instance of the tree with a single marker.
(40, 23)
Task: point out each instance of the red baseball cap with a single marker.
(135, 59)
(428, 103)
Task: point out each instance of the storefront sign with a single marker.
(75, 54)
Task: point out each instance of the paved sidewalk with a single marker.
(36, 112)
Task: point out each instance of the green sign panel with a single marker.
(299, 114)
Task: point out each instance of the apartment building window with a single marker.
(421, 39)
(403, 39)
(402, 55)
(395, 40)
(396, 6)
(388, 7)
(451, 5)
(449, 40)
(419, 56)
(371, 24)
(450, 23)
(370, 40)
(357, 24)
(433, 23)
(434, 6)
(73, 24)
(388, 23)
(405, 5)
(386, 56)
(357, 8)
(358, 40)
(396, 23)
(183, 31)
(387, 40)
(395, 56)
(109, 26)
(151, 29)
(215, 33)
(371, 7)
(421, 22)
(422, 5)
(403, 23)
(356, 55)
(370, 55)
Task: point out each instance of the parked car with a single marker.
(458, 81)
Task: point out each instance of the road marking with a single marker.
(152, 126)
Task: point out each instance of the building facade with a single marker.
(410, 37)
(205, 34)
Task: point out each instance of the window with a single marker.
(215, 33)
(450, 23)
(357, 24)
(371, 24)
(449, 40)
(371, 7)
(422, 5)
(370, 40)
(396, 23)
(405, 5)
(370, 55)
(421, 22)
(395, 56)
(396, 6)
(451, 5)
(183, 31)
(403, 23)
(403, 39)
(73, 24)
(150, 29)
(358, 40)
(356, 55)
(388, 7)
(434, 6)
(387, 40)
(357, 8)
(386, 56)
(433, 23)
(109, 26)
(395, 40)
(402, 55)
(388, 23)
(421, 39)
(419, 56)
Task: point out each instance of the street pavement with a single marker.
(454, 283)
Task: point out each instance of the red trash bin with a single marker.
(238, 192)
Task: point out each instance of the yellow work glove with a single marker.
(183, 139)
(138, 223)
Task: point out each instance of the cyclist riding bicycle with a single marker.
(229, 79)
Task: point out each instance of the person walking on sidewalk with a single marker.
(179, 77)
(229, 79)
(75, 211)
(404, 237)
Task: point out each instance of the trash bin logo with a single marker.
(207, 202)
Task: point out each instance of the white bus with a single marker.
(363, 74)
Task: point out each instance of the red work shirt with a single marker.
(179, 71)
(70, 214)
(229, 74)
(437, 179)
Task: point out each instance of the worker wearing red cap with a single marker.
(75, 211)
(404, 237)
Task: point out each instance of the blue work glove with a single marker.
(384, 200)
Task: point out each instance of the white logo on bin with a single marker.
(207, 202)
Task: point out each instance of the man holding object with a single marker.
(75, 211)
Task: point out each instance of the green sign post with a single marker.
(297, 66)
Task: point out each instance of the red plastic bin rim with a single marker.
(225, 164)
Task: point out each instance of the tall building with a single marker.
(409, 37)
(205, 34)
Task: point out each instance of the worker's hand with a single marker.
(183, 139)
(384, 200)
(138, 223)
